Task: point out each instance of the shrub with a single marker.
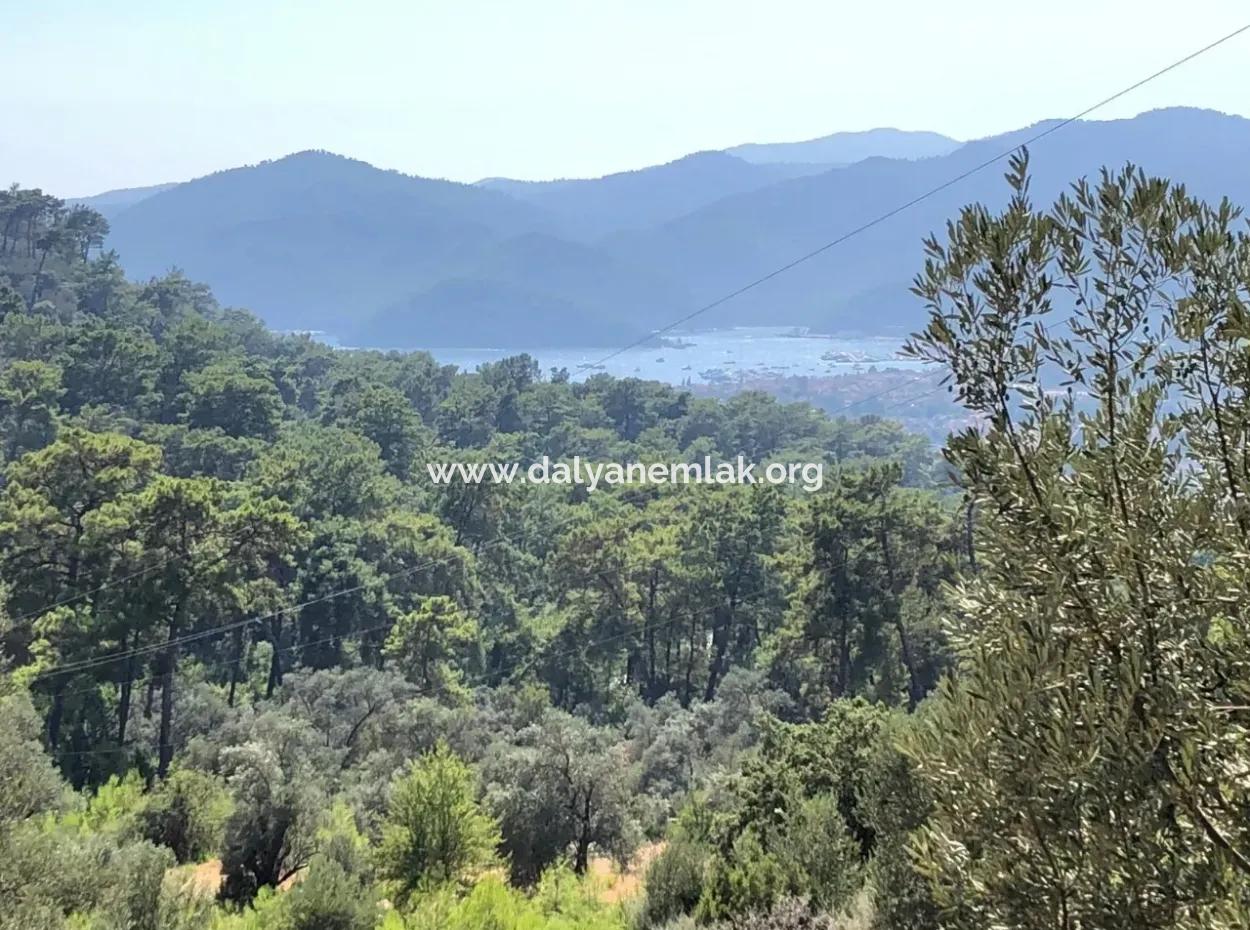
(821, 858)
(561, 901)
(435, 832)
(187, 814)
(674, 881)
(112, 810)
(748, 879)
(328, 899)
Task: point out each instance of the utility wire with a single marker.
(33, 615)
(850, 234)
(889, 214)
(483, 679)
(574, 518)
(158, 647)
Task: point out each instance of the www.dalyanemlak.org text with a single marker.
(809, 476)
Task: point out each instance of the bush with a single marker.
(123, 885)
(271, 833)
(788, 914)
(822, 859)
(339, 839)
(748, 879)
(435, 832)
(328, 899)
(187, 814)
(674, 882)
(896, 803)
(112, 810)
(561, 901)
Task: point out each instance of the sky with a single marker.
(104, 94)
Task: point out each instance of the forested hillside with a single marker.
(375, 258)
(862, 286)
(236, 602)
(260, 672)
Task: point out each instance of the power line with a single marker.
(154, 648)
(298, 646)
(486, 677)
(889, 214)
(482, 679)
(32, 615)
(157, 647)
(850, 234)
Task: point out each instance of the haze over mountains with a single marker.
(320, 241)
(845, 148)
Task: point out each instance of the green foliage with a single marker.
(674, 881)
(816, 845)
(271, 833)
(187, 814)
(328, 898)
(83, 864)
(30, 394)
(427, 642)
(563, 788)
(895, 801)
(560, 902)
(174, 471)
(435, 833)
(340, 841)
(225, 396)
(31, 784)
(1088, 764)
(867, 570)
(745, 878)
(814, 816)
(116, 808)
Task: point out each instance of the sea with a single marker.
(709, 356)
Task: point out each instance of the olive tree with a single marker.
(1089, 760)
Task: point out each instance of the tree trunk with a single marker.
(235, 659)
(915, 689)
(35, 288)
(55, 716)
(688, 692)
(720, 646)
(842, 611)
(651, 689)
(842, 683)
(581, 857)
(123, 701)
(166, 749)
(275, 657)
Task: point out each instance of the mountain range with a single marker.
(323, 242)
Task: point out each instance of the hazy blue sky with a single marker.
(115, 93)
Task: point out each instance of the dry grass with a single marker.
(614, 885)
(203, 879)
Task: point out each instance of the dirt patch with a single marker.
(203, 879)
(615, 885)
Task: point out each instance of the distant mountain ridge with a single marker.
(862, 285)
(110, 203)
(320, 241)
(634, 199)
(846, 148)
